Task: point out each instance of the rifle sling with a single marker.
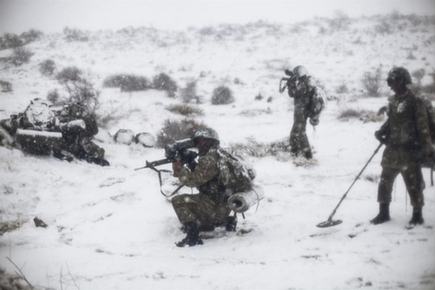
(161, 182)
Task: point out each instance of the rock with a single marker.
(145, 139)
(124, 136)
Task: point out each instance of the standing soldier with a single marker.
(407, 138)
(307, 104)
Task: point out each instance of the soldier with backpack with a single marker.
(406, 135)
(209, 208)
(308, 104)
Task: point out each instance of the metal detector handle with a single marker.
(359, 174)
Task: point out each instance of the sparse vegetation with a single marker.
(11, 40)
(74, 34)
(279, 149)
(363, 115)
(185, 110)
(342, 89)
(20, 55)
(222, 96)
(127, 82)
(47, 67)
(54, 97)
(188, 93)
(177, 130)
(372, 83)
(78, 87)
(164, 82)
(6, 86)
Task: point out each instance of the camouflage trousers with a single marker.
(414, 182)
(200, 209)
(298, 139)
(84, 148)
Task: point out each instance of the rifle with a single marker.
(288, 81)
(172, 151)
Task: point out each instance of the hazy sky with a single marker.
(49, 16)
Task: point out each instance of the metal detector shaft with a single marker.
(359, 174)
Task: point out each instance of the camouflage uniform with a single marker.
(78, 138)
(208, 208)
(303, 94)
(408, 143)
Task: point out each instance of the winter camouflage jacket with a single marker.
(407, 132)
(205, 177)
(304, 93)
(212, 176)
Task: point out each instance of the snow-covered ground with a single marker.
(110, 228)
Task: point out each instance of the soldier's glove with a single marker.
(381, 138)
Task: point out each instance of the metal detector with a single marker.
(330, 222)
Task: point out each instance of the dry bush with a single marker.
(10, 40)
(6, 86)
(79, 87)
(363, 115)
(185, 110)
(342, 89)
(164, 82)
(54, 97)
(73, 34)
(222, 96)
(20, 55)
(279, 149)
(177, 130)
(127, 82)
(47, 67)
(189, 93)
(372, 83)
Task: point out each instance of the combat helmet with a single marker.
(401, 74)
(300, 71)
(207, 133)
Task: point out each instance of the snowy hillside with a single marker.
(110, 228)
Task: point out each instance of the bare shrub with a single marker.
(185, 110)
(362, 115)
(384, 27)
(340, 21)
(20, 55)
(372, 83)
(74, 34)
(279, 149)
(164, 82)
(31, 35)
(417, 88)
(177, 130)
(127, 82)
(47, 67)
(430, 89)
(54, 97)
(222, 96)
(342, 89)
(6, 86)
(79, 87)
(189, 93)
(10, 40)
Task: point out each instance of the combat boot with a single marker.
(383, 215)
(417, 216)
(192, 238)
(231, 223)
